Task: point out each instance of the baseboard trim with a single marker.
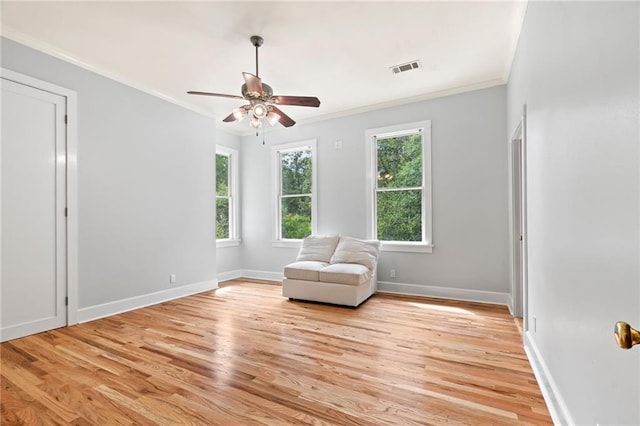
(229, 275)
(444, 293)
(555, 403)
(119, 306)
(262, 275)
(389, 287)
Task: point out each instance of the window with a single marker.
(399, 187)
(294, 183)
(226, 197)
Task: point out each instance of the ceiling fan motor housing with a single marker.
(266, 89)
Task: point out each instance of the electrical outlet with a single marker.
(172, 278)
(392, 273)
(337, 145)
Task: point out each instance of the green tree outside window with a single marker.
(399, 188)
(223, 204)
(295, 201)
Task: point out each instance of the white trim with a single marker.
(406, 247)
(510, 305)
(48, 49)
(525, 226)
(517, 214)
(276, 179)
(517, 25)
(262, 275)
(119, 306)
(72, 181)
(468, 295)
(479, 296)
(233, 183)
(558, 409)
(426, 245)
(251, 274)
(44, 47)
(519, 133)
(394, 103)
(227, 243)
(24, 329)
(229, 275)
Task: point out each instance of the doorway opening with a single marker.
(518, 222)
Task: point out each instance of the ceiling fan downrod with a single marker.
(257, 42)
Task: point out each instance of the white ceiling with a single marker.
(339, 52)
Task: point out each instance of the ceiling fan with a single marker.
(262, 101)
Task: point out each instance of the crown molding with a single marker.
(46, 48)
(41, 46)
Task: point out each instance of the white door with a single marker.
(33, 289)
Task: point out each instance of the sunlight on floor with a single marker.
(223, 290)
(441, 308)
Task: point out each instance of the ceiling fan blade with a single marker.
(254, 84)
(229, 118)
(221, 95)
(308, 101)
(285, 120)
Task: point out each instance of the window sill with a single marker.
(227, 243)
(286, 243)
(406, 247)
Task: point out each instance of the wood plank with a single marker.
(243, 354)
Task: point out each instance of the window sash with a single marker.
(375, 190)
(280, 237)
(230, 195)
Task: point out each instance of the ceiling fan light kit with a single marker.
(261, 99)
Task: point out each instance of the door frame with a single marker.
(71, 181)
(518, 220)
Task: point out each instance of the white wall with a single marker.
(145, 181)
(576, 68)
(469, 194)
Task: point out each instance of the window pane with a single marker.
(399, 215)
(296, 172)
(296, 217)
(222, 175)
(400, 161)
(222, 218)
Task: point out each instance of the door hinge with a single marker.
(66, 212)
(520, 237)
(66, 119)
(66, 301)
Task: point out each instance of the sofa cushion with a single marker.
(318, 248)
(345, 273)
(306, 270)
(352, 250)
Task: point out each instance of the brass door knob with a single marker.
(626, 336)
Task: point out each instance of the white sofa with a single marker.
(333, 269)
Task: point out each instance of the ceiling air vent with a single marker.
(397, 69)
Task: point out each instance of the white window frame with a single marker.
(276, 173)
(233, 184)
(371, 135)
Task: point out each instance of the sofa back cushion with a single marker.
(318, 248)
(352, 250)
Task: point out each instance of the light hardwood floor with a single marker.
(244, 355)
